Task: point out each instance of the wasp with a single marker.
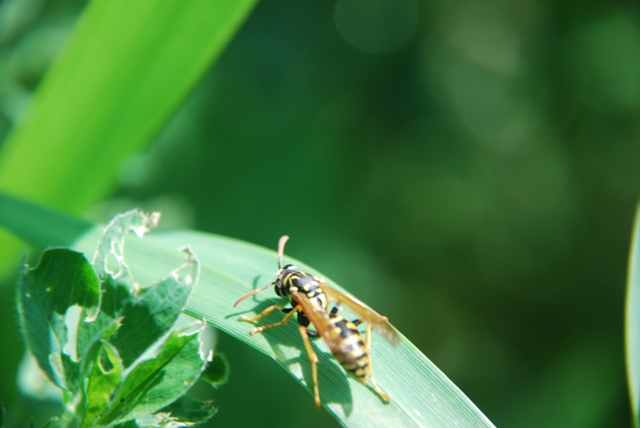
(309, 297)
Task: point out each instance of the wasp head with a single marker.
(282, 283)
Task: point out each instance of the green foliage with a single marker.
(476, 186)
(127, 366)
(421, 393)
(61, 279)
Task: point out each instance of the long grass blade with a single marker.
(125, 69)
(632, 322)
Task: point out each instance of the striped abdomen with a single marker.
(351, 354)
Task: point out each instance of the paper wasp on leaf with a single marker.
(309, 297)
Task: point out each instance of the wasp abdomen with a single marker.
(352, 354)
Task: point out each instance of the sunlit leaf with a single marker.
(125, 69)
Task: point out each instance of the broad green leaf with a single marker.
(155, 383)
(125, 69)
(62, 278)
(633, 322)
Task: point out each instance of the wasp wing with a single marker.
(378, 322)
(320, 320)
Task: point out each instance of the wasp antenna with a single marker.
(281, 243)
(251, 293)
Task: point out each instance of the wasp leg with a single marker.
(263, 313)
(335, 309)
(268, 326)
(357, 321)
(314, 360)
(373, 381)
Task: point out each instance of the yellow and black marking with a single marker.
(308, 296)
(352, 356)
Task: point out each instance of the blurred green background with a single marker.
(469, 169)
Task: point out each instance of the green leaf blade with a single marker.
(37, 225)
(421, 394)
(632, 322)
(125, 69)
